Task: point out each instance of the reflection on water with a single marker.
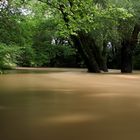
(69, 105)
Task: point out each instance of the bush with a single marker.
(8, 54)
(26, 57)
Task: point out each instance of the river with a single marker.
(69, 104)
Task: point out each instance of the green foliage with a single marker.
(75, 15)
(51, 55)
(26, 57)
(49, 47)
(32, 31)
(8, 54)
(18, 27)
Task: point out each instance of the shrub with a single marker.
(8, 54)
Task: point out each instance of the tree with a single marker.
(16, 33)
(129, 30)
(79, 19)
(10, 36)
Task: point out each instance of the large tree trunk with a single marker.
(128, 46)
(126, 58)
(100, 57)
(94, 57)
(99, 54)
(86, 53)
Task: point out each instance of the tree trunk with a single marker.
(103, 65)
(126, 58)
(128, 46)
(86, 53)
(100, 55)
(94, 57)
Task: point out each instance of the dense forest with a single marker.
(96, 34)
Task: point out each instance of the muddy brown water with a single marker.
(69, 105)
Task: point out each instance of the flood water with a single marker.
(69, 105)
